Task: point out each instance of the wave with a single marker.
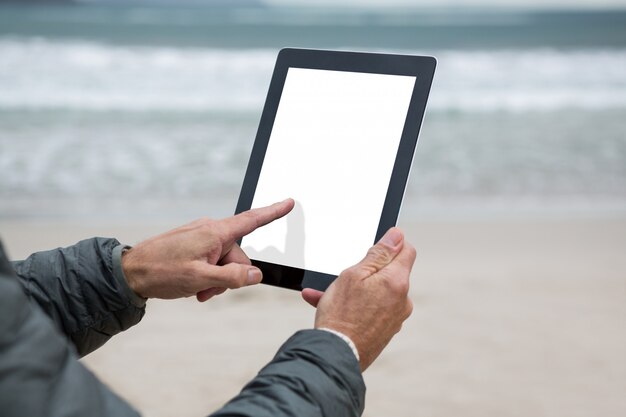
(37, 73)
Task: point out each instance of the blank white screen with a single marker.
(332, 149)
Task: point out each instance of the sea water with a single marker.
(152, 110)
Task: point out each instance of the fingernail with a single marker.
(254, 276)
(392, 238)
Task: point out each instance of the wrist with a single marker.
(351, 333)
(118, 256)
(346, 339)
(132, 272)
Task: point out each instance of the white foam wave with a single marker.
(80, 75)
(530, 80)
(44, 74)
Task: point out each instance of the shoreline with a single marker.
(24, 235)
(129, 209)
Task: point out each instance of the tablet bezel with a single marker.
(421, 67)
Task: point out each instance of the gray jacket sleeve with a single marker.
(314, 374)
(40, 374)
(83, 290)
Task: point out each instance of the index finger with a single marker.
(244, 223)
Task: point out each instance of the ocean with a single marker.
(138, 111)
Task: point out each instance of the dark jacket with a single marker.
(61, 304)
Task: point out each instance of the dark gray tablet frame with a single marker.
(422, 67)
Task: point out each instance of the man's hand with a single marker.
(369, 301)
(200, 258)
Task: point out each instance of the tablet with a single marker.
(337, 134)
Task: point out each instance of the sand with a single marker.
(513, 317)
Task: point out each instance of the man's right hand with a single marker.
(369, 301)
(200, 258)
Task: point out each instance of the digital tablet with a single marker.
(337, 134)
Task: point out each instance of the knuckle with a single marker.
(403, 286)
(200, 275)
(378, 252)
(378, 255)
(412, 251)
(192, 271)
(398, 285)
(398, 328)
(408, 309)
(236, 276)
(203, 221)
(191, 279)
(206, 225)
(250, 216)
(361, 270)
(235, 283)
(348, 273)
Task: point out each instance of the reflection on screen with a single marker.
(332, 149)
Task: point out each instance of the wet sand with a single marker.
(513, 317)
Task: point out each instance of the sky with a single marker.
(446, 3)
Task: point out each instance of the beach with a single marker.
(124, 120)
(514, 316)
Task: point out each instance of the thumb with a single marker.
(383, 252)
(232, 275)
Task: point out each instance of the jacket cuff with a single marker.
(333, 357)
(345, 338)
(118, 273)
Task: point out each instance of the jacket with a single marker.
(59, 305)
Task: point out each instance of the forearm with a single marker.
(83, 290)
(39, 372)
(314, 374)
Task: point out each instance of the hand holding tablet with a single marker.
(337, 134)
